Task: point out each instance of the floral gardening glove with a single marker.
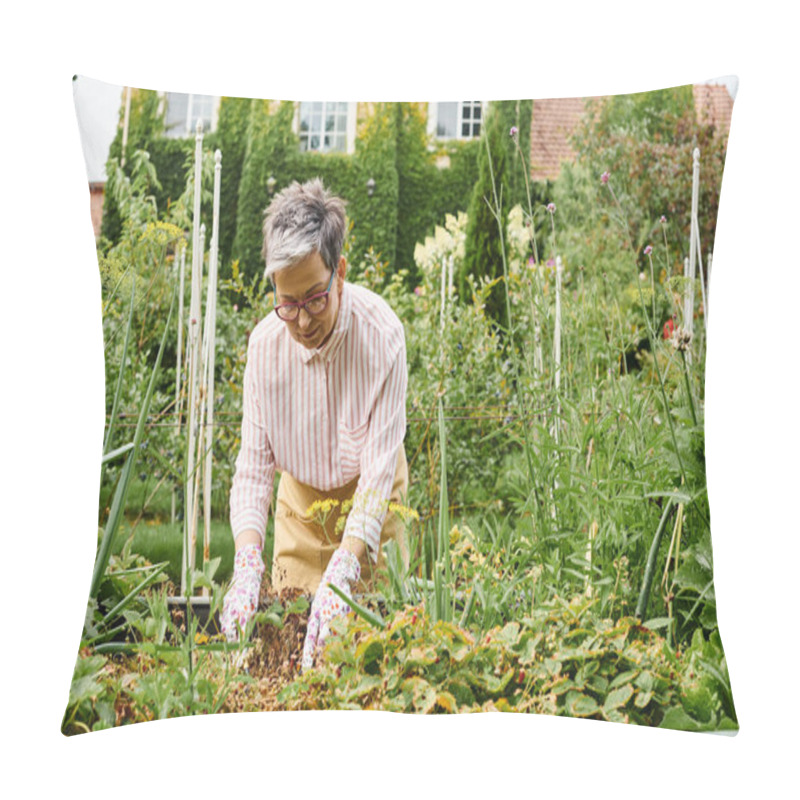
(343, 571)
(241, 600)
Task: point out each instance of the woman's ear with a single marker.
(342, 270)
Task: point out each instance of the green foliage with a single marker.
(270, 148)
(375, 218)
(145, 125)
(646, 141)
(483, 257)
(416, 215)
(562, 659)
(231, 139)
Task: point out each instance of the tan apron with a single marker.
(303, 547)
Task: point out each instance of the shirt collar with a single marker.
(328, 351)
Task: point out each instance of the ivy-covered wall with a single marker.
(411, 193)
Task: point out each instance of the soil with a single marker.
(275, 659)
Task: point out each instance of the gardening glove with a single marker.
(343, 571)
(241, 600)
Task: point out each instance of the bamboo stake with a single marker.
(193, 343)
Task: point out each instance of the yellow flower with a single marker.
(321, 507)
(455, 534)
(405, 512)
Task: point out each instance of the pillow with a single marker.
(549, 261)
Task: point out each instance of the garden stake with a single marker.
(702, 277)
(178, 355)
(209, 358)
(197, 422)
(688, 300)
(188, 559)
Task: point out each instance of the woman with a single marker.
(324, 404)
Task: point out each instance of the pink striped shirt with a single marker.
(324, 415)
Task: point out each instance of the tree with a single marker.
(270, 144)
(482, 251)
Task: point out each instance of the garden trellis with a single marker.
(200, 371)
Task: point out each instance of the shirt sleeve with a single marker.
(251, 491)
(385, 434)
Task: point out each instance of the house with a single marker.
(555, 120)
(327, 126)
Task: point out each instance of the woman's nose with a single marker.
(303, 319)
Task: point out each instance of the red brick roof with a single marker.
(713, 104)
(555, 119)
(552, 122)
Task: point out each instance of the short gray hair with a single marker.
(302, 219)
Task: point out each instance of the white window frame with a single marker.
(433, 119)
(181, 133)
(350, 127)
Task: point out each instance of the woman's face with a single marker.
(299, 282)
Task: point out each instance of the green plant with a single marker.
(562, 659)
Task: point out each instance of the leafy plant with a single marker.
(562, 659)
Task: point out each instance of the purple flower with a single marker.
(663, 220)
(418, 290)
(513, 131)
(235, 307)
(604, 177)
(648, 250)
(531, 262)
(551, 262)
(551, 207)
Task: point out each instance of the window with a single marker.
(324, 127)
(183, 111)
(456, 120)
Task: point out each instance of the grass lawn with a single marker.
(158, 539)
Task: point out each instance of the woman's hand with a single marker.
(343, 571)
(241, 600)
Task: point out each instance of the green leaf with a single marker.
(642, 699)
(618, 697)
(581, 705)
(624, 677)
(657, 622)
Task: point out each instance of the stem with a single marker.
(651, 339)
(520, 397)
(644, 595)
(688, 387)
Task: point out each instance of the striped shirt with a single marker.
(324, 415)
